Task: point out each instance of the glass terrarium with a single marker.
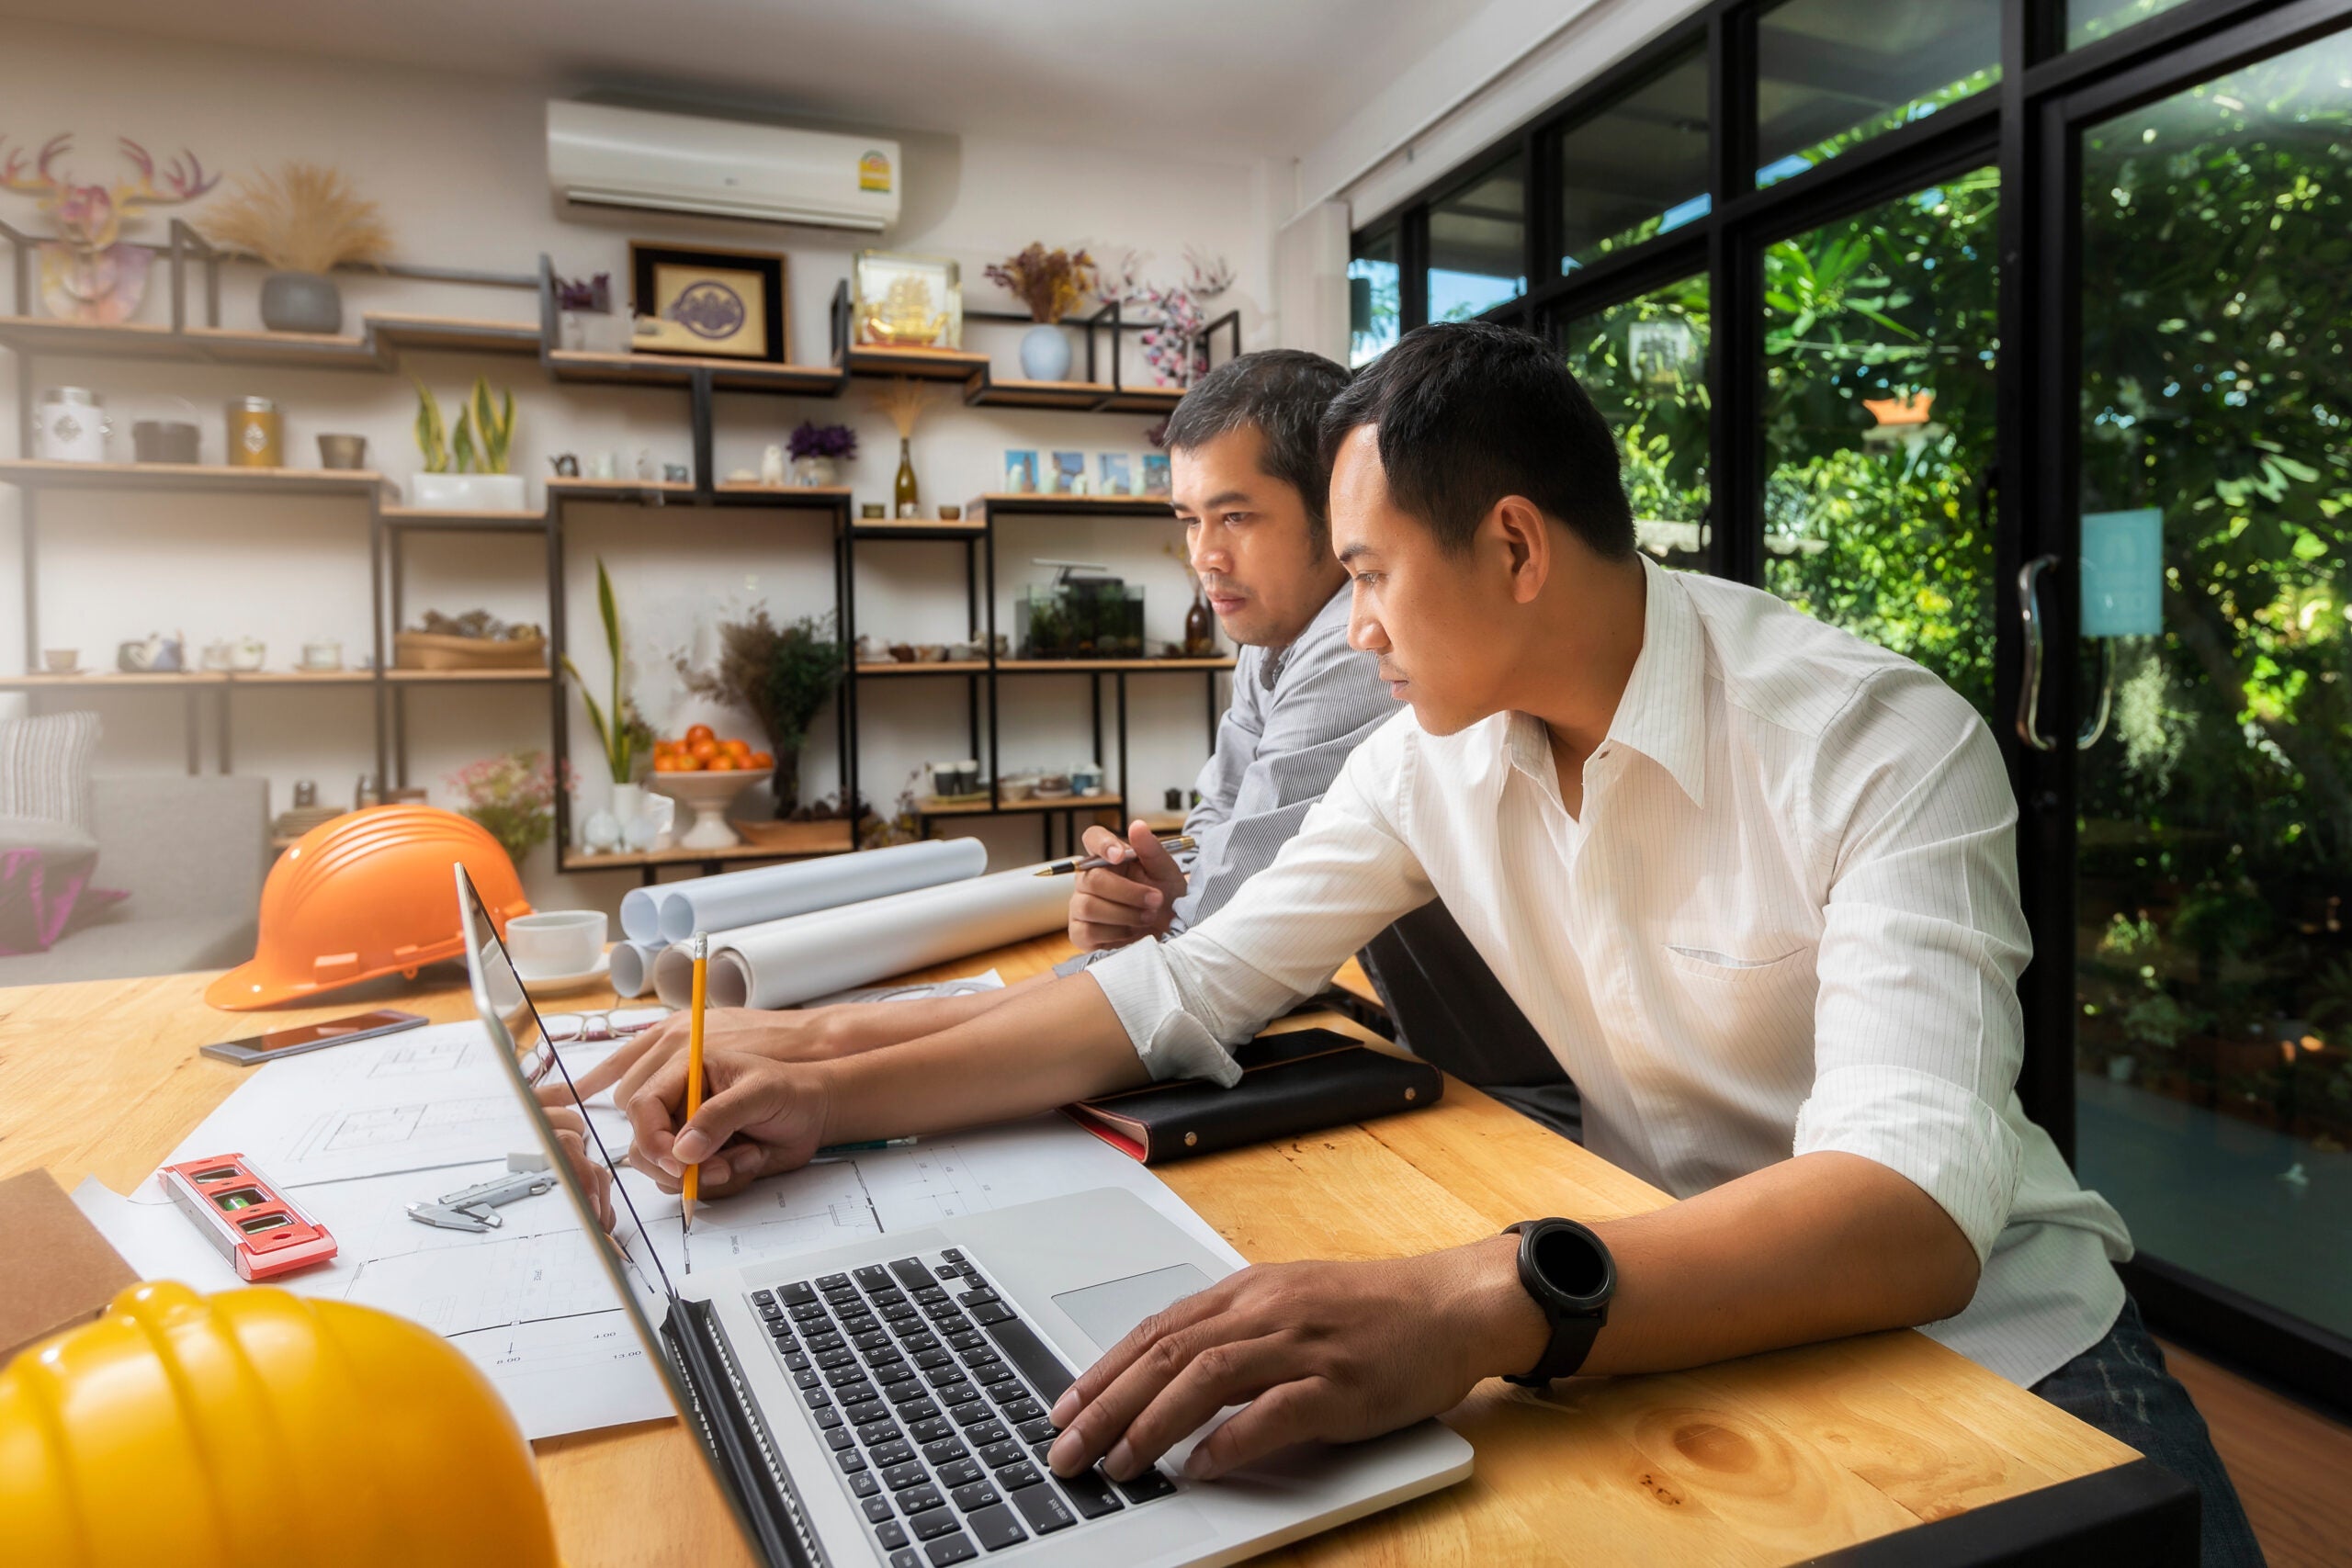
(1082, 615)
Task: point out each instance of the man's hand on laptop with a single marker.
(1136, 897)
(1327, 1351)
(759, 1117)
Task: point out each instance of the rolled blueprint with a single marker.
(782, 961)
(632, 972)
(674, 912)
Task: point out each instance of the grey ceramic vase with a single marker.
(301, 302)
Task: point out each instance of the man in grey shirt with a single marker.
(1250, 484)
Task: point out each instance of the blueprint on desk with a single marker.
(355, 1134)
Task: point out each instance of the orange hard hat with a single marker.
(365, 895)
(261, 1429)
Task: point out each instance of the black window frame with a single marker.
(2023, 124)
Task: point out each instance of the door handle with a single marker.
(2030, 695)
(2036, 655)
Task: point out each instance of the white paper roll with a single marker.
(782, 961)
(674, 912)
(632, 970)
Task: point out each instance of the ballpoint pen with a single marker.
(1175, 846)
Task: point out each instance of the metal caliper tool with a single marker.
(475, 1208)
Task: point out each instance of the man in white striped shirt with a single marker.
(1752, 879)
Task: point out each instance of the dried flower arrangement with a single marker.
(512, 797)
(1049, 282)
(1174, 346)
(783, 675)
(813, 440)
(305, 218)
(903, 399)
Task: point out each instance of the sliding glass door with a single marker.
(2212, 939)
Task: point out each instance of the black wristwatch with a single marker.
(1569, 1272)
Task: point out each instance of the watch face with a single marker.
(1572, 1262)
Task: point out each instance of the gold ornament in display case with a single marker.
(906, 301)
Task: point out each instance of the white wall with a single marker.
(456, 161)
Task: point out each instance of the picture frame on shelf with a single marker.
(1020, 471)
(1114, 473)
(727, 304)
(1067, 473)
(900, 299)
(1154, 475)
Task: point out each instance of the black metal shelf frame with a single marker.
(2027, 125)
(980, 585)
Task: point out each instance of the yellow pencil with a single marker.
(694, 1057)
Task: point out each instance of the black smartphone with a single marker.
(298, 1038)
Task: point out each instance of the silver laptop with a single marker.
(885, 1402)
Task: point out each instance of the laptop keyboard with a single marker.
(932, 1394)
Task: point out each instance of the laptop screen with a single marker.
(529, 1057)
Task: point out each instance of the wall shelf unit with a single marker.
(376, 348)
(31, 473)
(977, 530)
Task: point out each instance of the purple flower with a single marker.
(813, 440)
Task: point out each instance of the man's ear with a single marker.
(1523, 540)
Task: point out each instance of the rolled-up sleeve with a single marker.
(1918, 1035)
(1187, 1001)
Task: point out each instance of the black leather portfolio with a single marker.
(1293, 1083)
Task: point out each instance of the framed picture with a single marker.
(1115, 473)
(1155, 474)
(899, 300)
(730, 304)
(1069, 473)
(1020, 471)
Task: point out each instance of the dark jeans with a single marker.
(2120, 1385)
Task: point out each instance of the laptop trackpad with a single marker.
(1108, 1311)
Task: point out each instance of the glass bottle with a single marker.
(1200, 640)
(907, 501)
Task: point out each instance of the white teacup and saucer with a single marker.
(561, 950)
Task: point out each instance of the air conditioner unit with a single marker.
(675, 163)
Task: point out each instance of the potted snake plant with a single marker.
(465, 467)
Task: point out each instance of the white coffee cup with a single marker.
(561, 941)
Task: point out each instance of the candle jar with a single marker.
(257, 434)
(70, 425)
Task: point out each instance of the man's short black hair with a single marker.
(1469, 413)
(1284, 393)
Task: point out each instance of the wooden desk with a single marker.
(1769, 1459)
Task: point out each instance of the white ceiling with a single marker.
(1270, 77)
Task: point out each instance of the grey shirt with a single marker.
(1296, 713)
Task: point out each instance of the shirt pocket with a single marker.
(1752, 1006)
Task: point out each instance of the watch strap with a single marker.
(1572, 1332)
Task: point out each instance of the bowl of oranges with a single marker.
(704, 775)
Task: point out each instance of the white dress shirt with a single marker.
(1785, 920)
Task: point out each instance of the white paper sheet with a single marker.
(780, 963)
(675, 911)
(355, 1134)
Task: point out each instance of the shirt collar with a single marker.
(1269, 667)
(1663, 713)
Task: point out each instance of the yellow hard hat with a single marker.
(253, 1429)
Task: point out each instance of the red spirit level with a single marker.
(256, 1228)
